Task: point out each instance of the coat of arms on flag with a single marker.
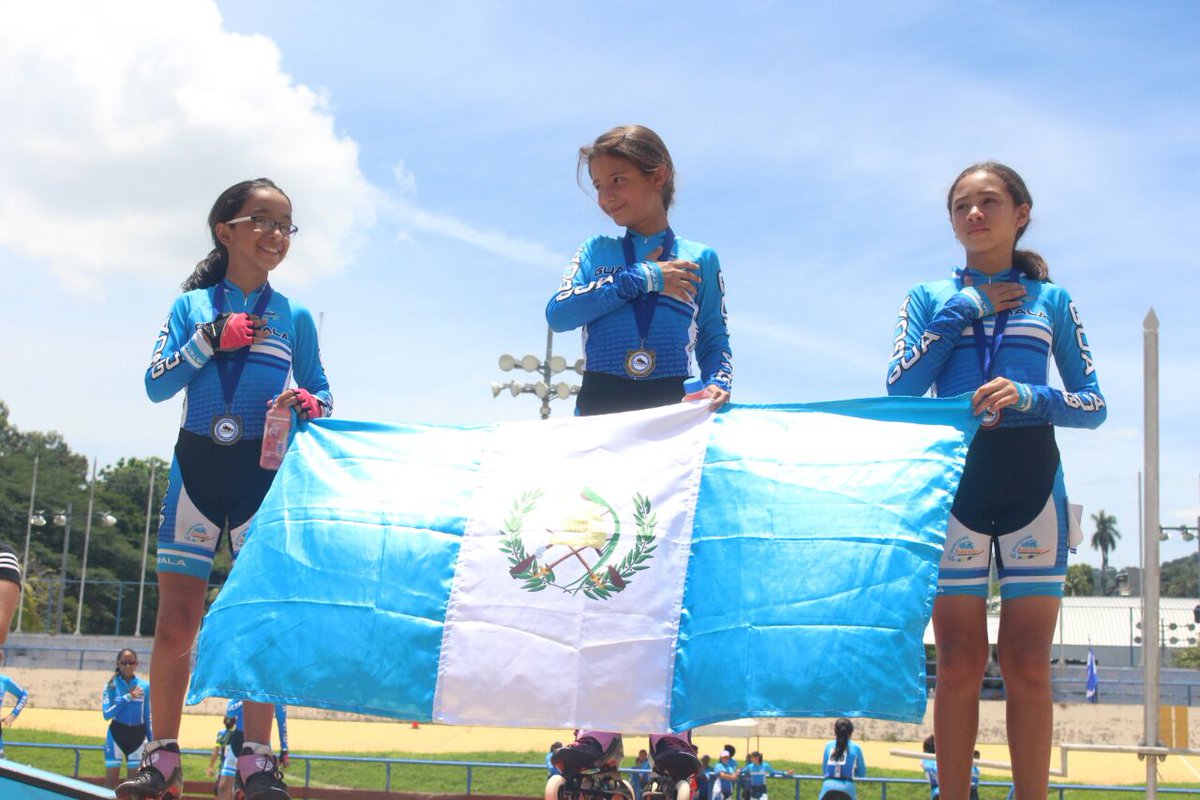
(582, 554)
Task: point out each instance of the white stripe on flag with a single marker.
(605, 616)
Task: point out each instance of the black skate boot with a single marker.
(258, 777)
(160, 776)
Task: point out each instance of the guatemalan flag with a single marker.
(1093, 680)
(640, 572)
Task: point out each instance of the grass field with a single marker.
(484, 780)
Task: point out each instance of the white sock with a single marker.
(257, 748)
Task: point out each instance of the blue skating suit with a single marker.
(123, 742)
(181, 353)
(595, 293)
(934, 348)
(840, 774)
(118, 706)
(234, 709)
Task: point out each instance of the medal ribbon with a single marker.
(644, 305)
(986, 350)
(230, 366)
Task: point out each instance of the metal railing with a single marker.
(1062, 790)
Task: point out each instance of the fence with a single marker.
(803, 786)
(109, 606)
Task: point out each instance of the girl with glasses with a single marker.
(125, 703)
(234, 346)
(990, 330)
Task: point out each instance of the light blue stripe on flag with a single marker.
(338, 598)
(814, 560)
(794, 576)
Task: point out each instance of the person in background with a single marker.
(704, 779)
(552, 770)
(930, 766)
(758, 771)
(9, 686)
(843, 761)
(637, 778)
(725, 775)
(224, 737)
(125, 703)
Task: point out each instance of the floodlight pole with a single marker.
(1150, 591)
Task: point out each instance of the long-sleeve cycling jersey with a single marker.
(117, 704)
(234, 709)
(183, 359)
(595, 292)
(9, 686)
(934, 348)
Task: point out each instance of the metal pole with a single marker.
(62, 570)
(137, 631)
(28, 531)
(546, 376)
(87, 540)
(1141, 564)
(1150, 525)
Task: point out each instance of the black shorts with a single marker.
(127, 737)
(212, 488)
(601, 393)
(1008, 475)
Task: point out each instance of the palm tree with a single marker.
(1105, 540)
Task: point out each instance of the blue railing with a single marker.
(1062, 790)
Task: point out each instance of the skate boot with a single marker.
(258, 777)
(592, 750)
(674, 756)
(160, 776)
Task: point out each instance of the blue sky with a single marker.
(429, 150)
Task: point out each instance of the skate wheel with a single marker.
(554, 788)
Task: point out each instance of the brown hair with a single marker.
(1028, 261)
(638, 145)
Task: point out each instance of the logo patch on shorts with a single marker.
(1028, 548)
(963, 550)
(197, 534)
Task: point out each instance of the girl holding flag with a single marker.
(648, 303)
(990, 331)
(232, 344)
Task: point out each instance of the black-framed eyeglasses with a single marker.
(127, 663)
(267, 225)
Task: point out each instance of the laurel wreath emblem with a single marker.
(537, 574)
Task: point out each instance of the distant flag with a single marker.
(643, 571)
(1093, 682)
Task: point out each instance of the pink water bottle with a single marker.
(275, 436)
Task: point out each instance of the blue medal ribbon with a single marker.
(986, 351)
(645, 304)
(231, 365)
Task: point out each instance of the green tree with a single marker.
(1187, 658)
(114, 553)
(1105, 540)
(1081, 581)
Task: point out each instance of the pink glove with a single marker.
(306, 405)
(229, 331)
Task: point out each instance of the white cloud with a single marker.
(406, 181)
(492, 241)
(122, 128)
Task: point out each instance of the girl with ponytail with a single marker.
(843, 762)
(989, 331)
(126, 705)
(234, 346)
